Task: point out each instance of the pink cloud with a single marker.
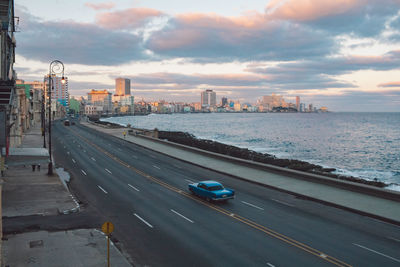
(390, 84)
(250, 20)
(100, 6)
(305, 10)
(125, 19)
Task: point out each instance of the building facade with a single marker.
(208, 98)
(101, 99)
(122, 86)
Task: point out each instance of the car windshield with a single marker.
(215, 188)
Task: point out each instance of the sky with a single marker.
(342, 54)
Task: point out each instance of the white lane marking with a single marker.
(379, 253)
(133, 187)
(281, 202)
(398, 240)
(190, 181)
(176, 166)
(67, 152)
(84, 150)
(107, 170)
(73, 161)
(270, 265)
(65, 147)
(156, 167)
(385, 223)
(135, 157)
(143, 220)
(83, 172)
(102, 189)
(177, 213)
(252, 205)
(93, 159)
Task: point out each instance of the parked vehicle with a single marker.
(67, 123)
(211, 191)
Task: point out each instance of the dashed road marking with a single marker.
(107, 170)
(281, 202)
(190, 181)
(252, 205)
(93, 159)
(177, 213)
(156, 167)
(73, 161)
(133, 187)
(143, 220)
(83, 172)
(379, 253)
(102, 189)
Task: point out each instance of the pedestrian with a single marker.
(124, 134)
(38, 167)
(33, 167)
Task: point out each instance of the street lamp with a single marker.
(56, 67)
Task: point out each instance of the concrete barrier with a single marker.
(347, 185)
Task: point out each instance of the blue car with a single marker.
(211, 191)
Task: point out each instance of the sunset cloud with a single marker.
(100, 6)
(307, 10)
(126, 19)
(390, 84)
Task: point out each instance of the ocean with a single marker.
(365, 145)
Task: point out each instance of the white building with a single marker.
(208, 98)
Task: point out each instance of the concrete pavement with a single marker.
(25, 193)
(384, 209)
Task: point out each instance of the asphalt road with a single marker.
(159, 223)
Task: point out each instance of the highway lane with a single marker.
(308, 222)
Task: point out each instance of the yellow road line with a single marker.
(244, 220)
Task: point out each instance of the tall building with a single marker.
(272, 101)
(122, 86)
(298, 103)
(224, 101)
(59, 91)
(101, 100)
(208, 98)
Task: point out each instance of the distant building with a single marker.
(122, 86)
(298, 103)
(208, 98)
(100, 99)
(268, 103)
(59, 90)
(224, 101)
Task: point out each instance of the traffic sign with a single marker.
(107, 228)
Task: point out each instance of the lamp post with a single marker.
(56, 67)
(43, 118)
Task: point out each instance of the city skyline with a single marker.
(340, 54)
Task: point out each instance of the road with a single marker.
(159, 223)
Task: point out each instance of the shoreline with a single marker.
(188, 139)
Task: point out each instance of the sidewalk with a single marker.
(26, 192)
(385, 209)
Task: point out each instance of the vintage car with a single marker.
(211, 191)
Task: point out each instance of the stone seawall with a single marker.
(188, 139)
(243, 153)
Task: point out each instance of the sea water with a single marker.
(365, 145)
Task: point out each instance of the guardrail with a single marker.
(316, 178)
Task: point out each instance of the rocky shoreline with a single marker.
(188, 139)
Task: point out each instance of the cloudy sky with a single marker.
(343, 54)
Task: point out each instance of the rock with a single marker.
(243, 153)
